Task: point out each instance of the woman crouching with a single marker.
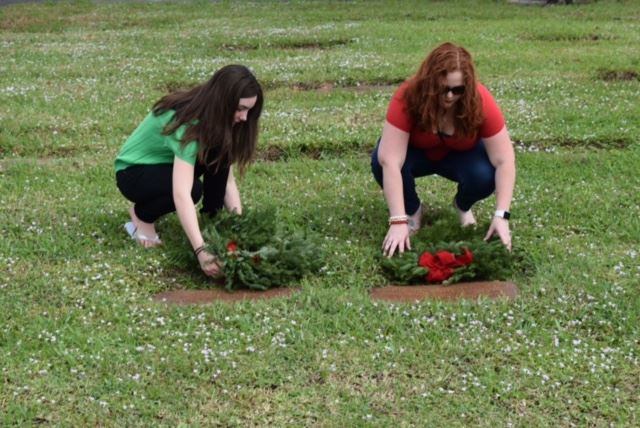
(190, 134)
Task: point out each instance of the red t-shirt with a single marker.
(436, 148)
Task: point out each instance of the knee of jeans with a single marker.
(376, 170)
(377, 175)
(407, 169)
(482, 180)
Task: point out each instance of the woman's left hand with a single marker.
(500, 227)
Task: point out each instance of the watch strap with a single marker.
(502, 214)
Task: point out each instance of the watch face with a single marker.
(503, 214)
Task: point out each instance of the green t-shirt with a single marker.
(148, 146)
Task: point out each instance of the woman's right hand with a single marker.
(397, 238)
(209, 264)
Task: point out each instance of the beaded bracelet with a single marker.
(399, 219)
(392, 222)
(200, 249)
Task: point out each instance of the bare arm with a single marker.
(186, 210)
(392, 153)
(502, 157)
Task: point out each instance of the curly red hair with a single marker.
(424, 91)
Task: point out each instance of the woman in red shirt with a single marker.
(443, 121)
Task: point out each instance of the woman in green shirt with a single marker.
(188, 134)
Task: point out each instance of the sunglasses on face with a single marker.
(455, 90)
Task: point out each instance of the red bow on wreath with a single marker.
(232, 246)
(443, 263)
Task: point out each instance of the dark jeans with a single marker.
(471, 169)
(150, 188)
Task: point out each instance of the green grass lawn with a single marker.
(83, 344)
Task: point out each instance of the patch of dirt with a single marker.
(270, 154)
(309, 44)
(618, 75)
(46, 152)
(190, 297)
(462, 291)
(328, 87)
(586, 144)
(174, 85)
(570, 37)
(285, 44)
(321, 87)
(276, 154)
(238, 47)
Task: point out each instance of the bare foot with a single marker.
(144, 233)
(466, 217)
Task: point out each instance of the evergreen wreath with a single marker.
(449, 261)
(257, 253)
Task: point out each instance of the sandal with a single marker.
(132, 231)
(466, 217)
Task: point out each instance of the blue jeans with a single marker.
(471, 169)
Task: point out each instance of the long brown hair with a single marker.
(424, 91)
(208, 112)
